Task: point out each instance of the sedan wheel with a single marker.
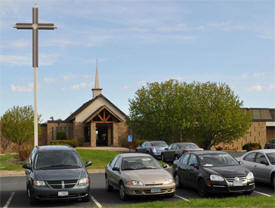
(202, 188)
(107, 185)
(122, 193)
(177, 181)
(273, 181)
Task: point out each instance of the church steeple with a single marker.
(96, 90)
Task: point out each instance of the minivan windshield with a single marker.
(61, 159)
(137, 163)
(217, 160)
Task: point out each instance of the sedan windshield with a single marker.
(188, 146)
(271, 157)
(137, 163)
(159, 144)
(57, 160)
(217, 160)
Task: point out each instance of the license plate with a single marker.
(63, 193)
(155, 190)
(237, 183)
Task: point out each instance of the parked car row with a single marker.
(161, 150)
(57, 172)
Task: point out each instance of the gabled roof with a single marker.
(81, 108)
(94, 114)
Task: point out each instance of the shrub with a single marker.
(24, 152)
(81, 141)
(251, 146)
(61, 135)
(124, 142)
(70, 142)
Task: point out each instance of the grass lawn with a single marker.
(99, 158)
(241, 201)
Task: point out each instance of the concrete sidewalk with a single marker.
(6, 173)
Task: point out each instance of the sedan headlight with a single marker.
(39, 183)
(83, 181)
(169, 181)
(135, 183)
(216, 178)
(250, 176)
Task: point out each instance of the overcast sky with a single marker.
(140, 41)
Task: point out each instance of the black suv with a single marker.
(56, 172)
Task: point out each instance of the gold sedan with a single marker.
(138, 174)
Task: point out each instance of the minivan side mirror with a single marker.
(88, 163)
(27, 166)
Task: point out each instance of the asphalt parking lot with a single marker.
(13, 194)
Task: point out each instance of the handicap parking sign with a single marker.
(130, 138)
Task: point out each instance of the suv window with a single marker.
(193, 160)
(250, 157)
(184, 159)
(260, 158)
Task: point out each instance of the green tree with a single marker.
(17, 124)
(217, 114)
(209, 113)
(158, 111)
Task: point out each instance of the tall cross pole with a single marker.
(35, 26)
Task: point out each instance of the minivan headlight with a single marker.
(216, 178)
(39, 183)
(250, 176)
(83, 181)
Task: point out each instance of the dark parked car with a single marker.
(175, 150)
(154, 148)
(212, 172)
(56, 172)
(270, 145)
(261, 163)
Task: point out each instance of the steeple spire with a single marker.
(96, 90)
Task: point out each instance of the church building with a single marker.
(98, 121)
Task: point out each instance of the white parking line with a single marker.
(9, 200)
(262, 193)
(181, 197)
(96, 202)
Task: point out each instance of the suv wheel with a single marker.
(122, 194)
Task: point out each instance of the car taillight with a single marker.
(154, 149)
(185, 151)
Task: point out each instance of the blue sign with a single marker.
(130, 138)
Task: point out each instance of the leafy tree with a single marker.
(159, 111)
(209, 113)
(217, 115)
(17, 124)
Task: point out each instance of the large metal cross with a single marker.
(35, 26)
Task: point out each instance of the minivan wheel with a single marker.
(122, 194)
(30, 196)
